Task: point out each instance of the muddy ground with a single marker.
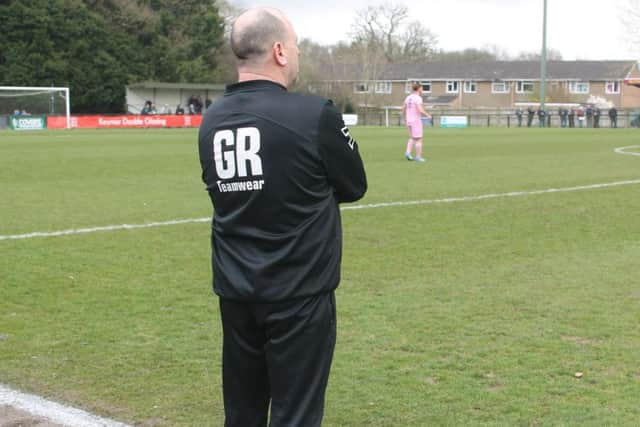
(11, 417)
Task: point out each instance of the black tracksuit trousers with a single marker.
(277, 355)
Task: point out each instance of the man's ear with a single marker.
(279, 54)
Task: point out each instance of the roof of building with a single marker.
(185, 86)
(493, 71)
(440, 100)
(633, 81)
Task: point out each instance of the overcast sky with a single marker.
(579, 29)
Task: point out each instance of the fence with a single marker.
(494, 118)
(475, 118)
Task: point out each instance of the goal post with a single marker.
(37, 100)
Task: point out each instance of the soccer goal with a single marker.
(35, 101)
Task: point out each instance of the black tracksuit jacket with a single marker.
(276, 165)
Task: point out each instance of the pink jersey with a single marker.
(412, 107)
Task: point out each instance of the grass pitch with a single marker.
(476, 312)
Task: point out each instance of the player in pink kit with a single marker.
(413, 111)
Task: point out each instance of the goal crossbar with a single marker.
(67, 101)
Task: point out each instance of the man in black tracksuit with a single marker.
(276, 166)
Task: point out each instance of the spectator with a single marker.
(563, 113)
(541, 117)
(207, 103)
(530, 114)
(613, 117)
(146, 109)
(179, 110)
(547, 115)
(519, 116)
(192, 104)
(589, 115)
(561, 117)
(580, 115)
(572, 117)
(596, 117)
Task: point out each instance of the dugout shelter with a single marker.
(167, 96)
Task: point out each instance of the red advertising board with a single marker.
(121, 122)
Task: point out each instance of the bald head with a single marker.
(255, 31)
(266, 46)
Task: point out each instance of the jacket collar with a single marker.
(254, 85)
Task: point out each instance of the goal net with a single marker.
(35, 101)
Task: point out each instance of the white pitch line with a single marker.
(74, 231)
(495, 196)
(52, 411)
(101, 228)
(623, 150)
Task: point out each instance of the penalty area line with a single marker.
(55, 412)
(344, 208)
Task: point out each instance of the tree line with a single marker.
(97, 47)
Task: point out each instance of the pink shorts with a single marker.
(415, 129)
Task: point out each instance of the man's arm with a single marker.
(423, 111)
(339, 152)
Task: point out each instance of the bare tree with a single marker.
(630, 18)
(313, 65)
(229, 13)
(226, 71)
(469, 54)
(383, 35)
(385, 28)
(498, 52)
(552, 55)
(417, 42)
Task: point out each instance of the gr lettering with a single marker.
(232, 152)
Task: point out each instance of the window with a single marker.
(361, 87)
(426, 86)
(500, 87)
(383, 87)
(470, 87)
(579, 87)
(524, 86)
(452, 86)
(612, 87)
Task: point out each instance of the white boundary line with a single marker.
(623, 150)
(496, 196)
(102, 228)
(52, 411)
(345, 208)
